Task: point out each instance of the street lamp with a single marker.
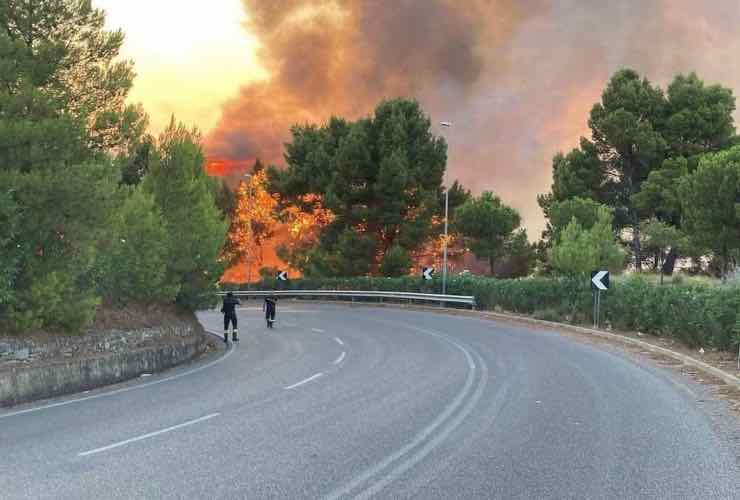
(247, 176)
(447, 204)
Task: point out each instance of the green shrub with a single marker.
(134, 264)
(54, 301)
(10, 220)
(696, 314)
(186, 197)
(396, 262)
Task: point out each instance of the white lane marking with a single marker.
(305, 381)
(339, 340)
(444, 433)
(126, 389)
(340, 358)
(146, 436)
(317, 330)
(440, 420)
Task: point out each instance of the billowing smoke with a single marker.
(516, 77)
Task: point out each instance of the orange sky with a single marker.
(188, 59)
(517, 77)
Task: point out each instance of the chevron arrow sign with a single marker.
(600, 280)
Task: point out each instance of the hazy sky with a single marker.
(190, 56)
(517, 77)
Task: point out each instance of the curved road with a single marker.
(340, 402)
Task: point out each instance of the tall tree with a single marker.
(699, 120)
(710, 201)
(487, 225)
(58, 85)
(186, 197)
(642, 142)
(625, 128)
(625, 146)
(379, 176)
(253, 222)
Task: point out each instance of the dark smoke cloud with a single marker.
(329, 58)
(517, 78)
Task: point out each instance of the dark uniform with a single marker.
(229, 310)
(269, 308)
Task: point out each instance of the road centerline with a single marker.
(305, 381)
(147, 436)
(443, 425)
(340, 358)
(339, 340)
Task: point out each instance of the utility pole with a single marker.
(447, 205)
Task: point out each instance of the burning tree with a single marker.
(253, 222)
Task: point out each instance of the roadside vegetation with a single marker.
(657, 184)
(695, 314)
(94, 212)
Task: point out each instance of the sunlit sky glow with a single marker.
(190, 57)
(518, 78)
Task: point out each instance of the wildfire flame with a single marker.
(259, 227)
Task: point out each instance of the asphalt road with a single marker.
(340, 402)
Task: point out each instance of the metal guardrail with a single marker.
(353, 294)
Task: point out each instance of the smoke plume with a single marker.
(516, 77)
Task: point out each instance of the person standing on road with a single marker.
(269, 307)
(229, 310)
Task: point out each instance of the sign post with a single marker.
(599, 282)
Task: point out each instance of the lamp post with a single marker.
(447, 205)
(247, 178)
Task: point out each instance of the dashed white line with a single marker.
(305, 381)
(340, 358)
(339, 340)
(146, 436)
(317, 330)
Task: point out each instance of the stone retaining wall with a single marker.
(32, 369)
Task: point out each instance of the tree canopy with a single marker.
(379, 176)
(711, 205)
(74, 233)
(643, 140)
(487, 224)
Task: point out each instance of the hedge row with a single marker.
(695, 314)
